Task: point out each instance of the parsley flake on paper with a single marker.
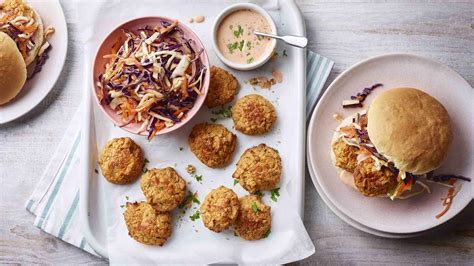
(275, 193)
(195, 216)
(224, 112)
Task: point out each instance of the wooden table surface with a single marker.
(344, 32)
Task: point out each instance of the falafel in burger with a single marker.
(395, 145)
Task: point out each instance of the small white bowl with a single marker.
(227, 12)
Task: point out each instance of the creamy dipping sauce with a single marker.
(236, 40)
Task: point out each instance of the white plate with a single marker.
(36, 89)
(395, 70)
(347, 219)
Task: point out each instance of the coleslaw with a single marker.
(153, 77)
(355, 134)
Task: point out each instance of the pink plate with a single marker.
(104, 49)
(397, 217)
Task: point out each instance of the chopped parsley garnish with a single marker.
(267, 233)
(236, 182)
(241, 45)
(189, 200)
(275, 193)
(95, 170)
(198, 178)
(195, 216)
(213, 119)
(255, 208)
(126, 197)
(249, 45)
(284, 53)
(250, 60)
(181, 148)
(122, 206)
(259, 193)
(232, 46)
(224, 112)
(145, 169)
(259, 37)
(239, 32)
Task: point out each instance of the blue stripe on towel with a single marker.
(318, 69)
(60, 180)
(69, 214)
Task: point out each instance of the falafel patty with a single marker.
(220, 209)
(373, 182)
(212, 144)
(163, 188)
(253, 115)
(345, 155)
(121, 161)
(146, 225)
(254, 220)
(258, 169)
(222, 88)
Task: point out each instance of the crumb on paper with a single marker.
(277, 75)
(262, 82)
(191, 20)
(191, 169)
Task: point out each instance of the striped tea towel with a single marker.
(55, 199)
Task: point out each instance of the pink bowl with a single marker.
(105, 48)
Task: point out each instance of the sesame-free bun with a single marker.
(410, 128)
(12, 69)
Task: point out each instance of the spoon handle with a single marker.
(298, 41)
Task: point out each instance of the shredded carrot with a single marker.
(448, 201)
(28, 29)
(349, 131)
(184, 89)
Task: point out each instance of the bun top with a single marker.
(12, 69)
(410, 128)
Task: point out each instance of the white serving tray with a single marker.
(288, 136)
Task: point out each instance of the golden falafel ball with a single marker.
(163, 188)
(121, 161)
(253, 115)
(372, 182)
(258, 169)
(212, 144)
(147, 225)
(220, 209)
(345, 155)
(254, 220)
(222, 89)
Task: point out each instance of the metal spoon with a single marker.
(298, 41)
